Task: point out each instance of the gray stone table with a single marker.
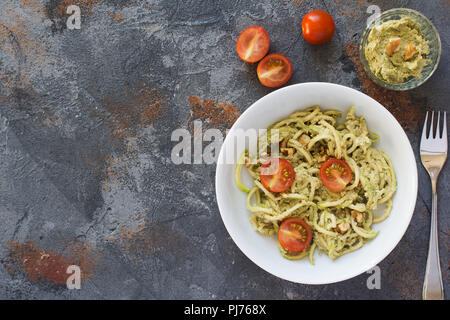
(86, 117)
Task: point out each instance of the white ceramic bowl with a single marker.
(264, 251)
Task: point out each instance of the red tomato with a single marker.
(335, 174)
(294, 235)
(318, 27)
(253, 44)
(274, 70)
(277, 175)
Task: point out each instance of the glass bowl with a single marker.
(428, 30)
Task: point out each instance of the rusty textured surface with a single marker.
(85, 123)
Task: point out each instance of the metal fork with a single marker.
(433, 152)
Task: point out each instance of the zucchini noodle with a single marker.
(341, 221)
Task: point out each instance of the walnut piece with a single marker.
(410, 51)
(343, 227)
(304, 139)
(358, 216)
(289, 152)
(392, 46)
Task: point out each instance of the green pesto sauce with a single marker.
(396, 68)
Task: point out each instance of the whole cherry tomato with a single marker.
(318, 27)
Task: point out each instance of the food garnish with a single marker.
(318, 27)
(274, 70)
(277, 175)
(253, 44)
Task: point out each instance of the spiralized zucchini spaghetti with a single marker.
(328, 181)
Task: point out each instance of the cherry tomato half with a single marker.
(318, 27)
(294, 235)
(335, 174)
(253, 44)
(277, 175)
(274, 70)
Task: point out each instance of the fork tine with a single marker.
(424, 130)
(444, 130)
(438, 128)
(431, 133)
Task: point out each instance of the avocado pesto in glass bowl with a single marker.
(400, 49)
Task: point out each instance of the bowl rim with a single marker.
(398, 86)
(220, 199)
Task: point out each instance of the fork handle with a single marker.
(432, 286)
